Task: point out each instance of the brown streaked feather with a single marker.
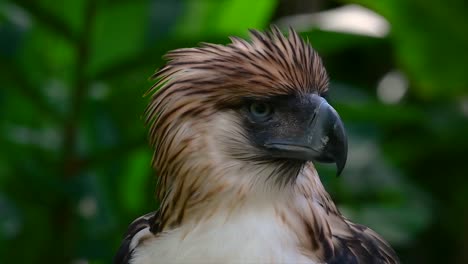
(330, 236)
(362, 246)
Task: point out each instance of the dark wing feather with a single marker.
(362, 246)
(142, 228)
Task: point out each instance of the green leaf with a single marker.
(118, 33)
(227, 17)
(134, 178)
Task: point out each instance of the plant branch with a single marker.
(12, 74)
(63, 214)
(48, 19)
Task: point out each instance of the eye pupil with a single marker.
(260, 109)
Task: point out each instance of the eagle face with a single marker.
(296, 128)
(236, 130)
(285, 132)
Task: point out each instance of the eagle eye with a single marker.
(260, 110)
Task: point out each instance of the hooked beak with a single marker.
(324, 138)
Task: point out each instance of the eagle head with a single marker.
(235, 117)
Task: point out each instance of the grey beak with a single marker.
(324, 139)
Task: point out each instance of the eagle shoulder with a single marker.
(141, 229)
(361, 245)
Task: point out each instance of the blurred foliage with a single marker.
(75, 165)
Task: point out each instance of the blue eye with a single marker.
(260, 110)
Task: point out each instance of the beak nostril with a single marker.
(319, 101)
(314, 116)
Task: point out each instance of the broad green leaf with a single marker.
(118, 33)
(134, 179)
(226, 17)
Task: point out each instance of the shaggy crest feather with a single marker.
(271, 64)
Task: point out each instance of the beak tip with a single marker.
(341, 161)
(339, 170)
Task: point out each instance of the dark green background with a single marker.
(75, 165)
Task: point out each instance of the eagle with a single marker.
(236, 131)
